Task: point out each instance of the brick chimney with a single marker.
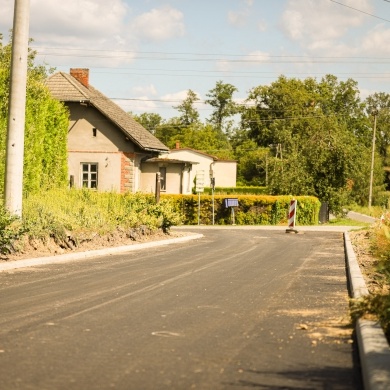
(81, 75)
(177, 145)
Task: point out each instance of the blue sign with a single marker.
(230, 202)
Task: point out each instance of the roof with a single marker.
(169, 160)
(214, 158)
(66, 88)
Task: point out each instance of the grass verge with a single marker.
(60, 214)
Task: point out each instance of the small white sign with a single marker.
(200, 181)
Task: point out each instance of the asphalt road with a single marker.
(237, 309)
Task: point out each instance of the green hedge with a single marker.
(236, 190)
(252, 209)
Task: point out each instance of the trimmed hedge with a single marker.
(236, 190)
(251, 210)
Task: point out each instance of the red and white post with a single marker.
(292, 212)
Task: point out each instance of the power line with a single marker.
(217, 57)
(359, 10)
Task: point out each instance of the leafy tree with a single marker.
(379, 104)
(204, 138)
(321, 128)
(189, 114)
(150, 121)
(221, 99)
(253, 163)
(46, 128)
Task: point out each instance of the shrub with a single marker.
(10, 230)
(252, 209)
(378, 302)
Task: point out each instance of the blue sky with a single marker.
(146, 54)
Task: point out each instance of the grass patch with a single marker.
(377, 304)
(59, 214)
(374, 211)
(347, 222)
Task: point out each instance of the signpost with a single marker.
(199, 188)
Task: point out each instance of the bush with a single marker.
(236, 190)
(252, 209)
(378, 302)
(10, 230)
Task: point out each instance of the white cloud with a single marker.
(159, 24)
(149, 90)
(97, 20)
(377, 42)
(237, 19)
(95, 30)
(316, 25)
(176, 97)
(142, 104)
(262, 25)
(258, 56)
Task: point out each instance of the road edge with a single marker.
(94, 253)
(374, 350)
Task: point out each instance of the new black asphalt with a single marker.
(238, 308)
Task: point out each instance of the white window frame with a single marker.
(89, 176)
(163, 178)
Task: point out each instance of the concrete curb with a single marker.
(374, 350)
(94, 253)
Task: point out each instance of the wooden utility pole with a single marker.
(16, 110)
(375, 114)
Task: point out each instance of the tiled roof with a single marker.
(66, 88)
(170, 160)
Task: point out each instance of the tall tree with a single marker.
(189, 114)
(205, 138)
(149, 120)
(46, 128)
(221, 99)
(379, 104)
(321, 129)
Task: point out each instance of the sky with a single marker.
(146, 54)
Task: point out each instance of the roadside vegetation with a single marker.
(374, 243)
(70, 217)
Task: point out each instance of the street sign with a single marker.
(200, 181)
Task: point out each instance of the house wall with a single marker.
(109, 168)
(202, 160)
(174, 177)
(83, 119)
(225, 172)
(118, 162)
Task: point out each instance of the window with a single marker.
(163, 178)
(94, 132)
(89, 175)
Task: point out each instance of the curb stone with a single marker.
(93, 253)
(374, 350)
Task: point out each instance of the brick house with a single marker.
(105, 144)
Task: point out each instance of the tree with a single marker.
(204, 138)
(189, 114)
(379, 103)
(149, 120)
(221, 99)
(321, 129)
(46, 128)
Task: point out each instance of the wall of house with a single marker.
(148, 177)
(109, 168)
(94, 139)
(81, 136)
(225, 172)
(173, 177)
(203, 161)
